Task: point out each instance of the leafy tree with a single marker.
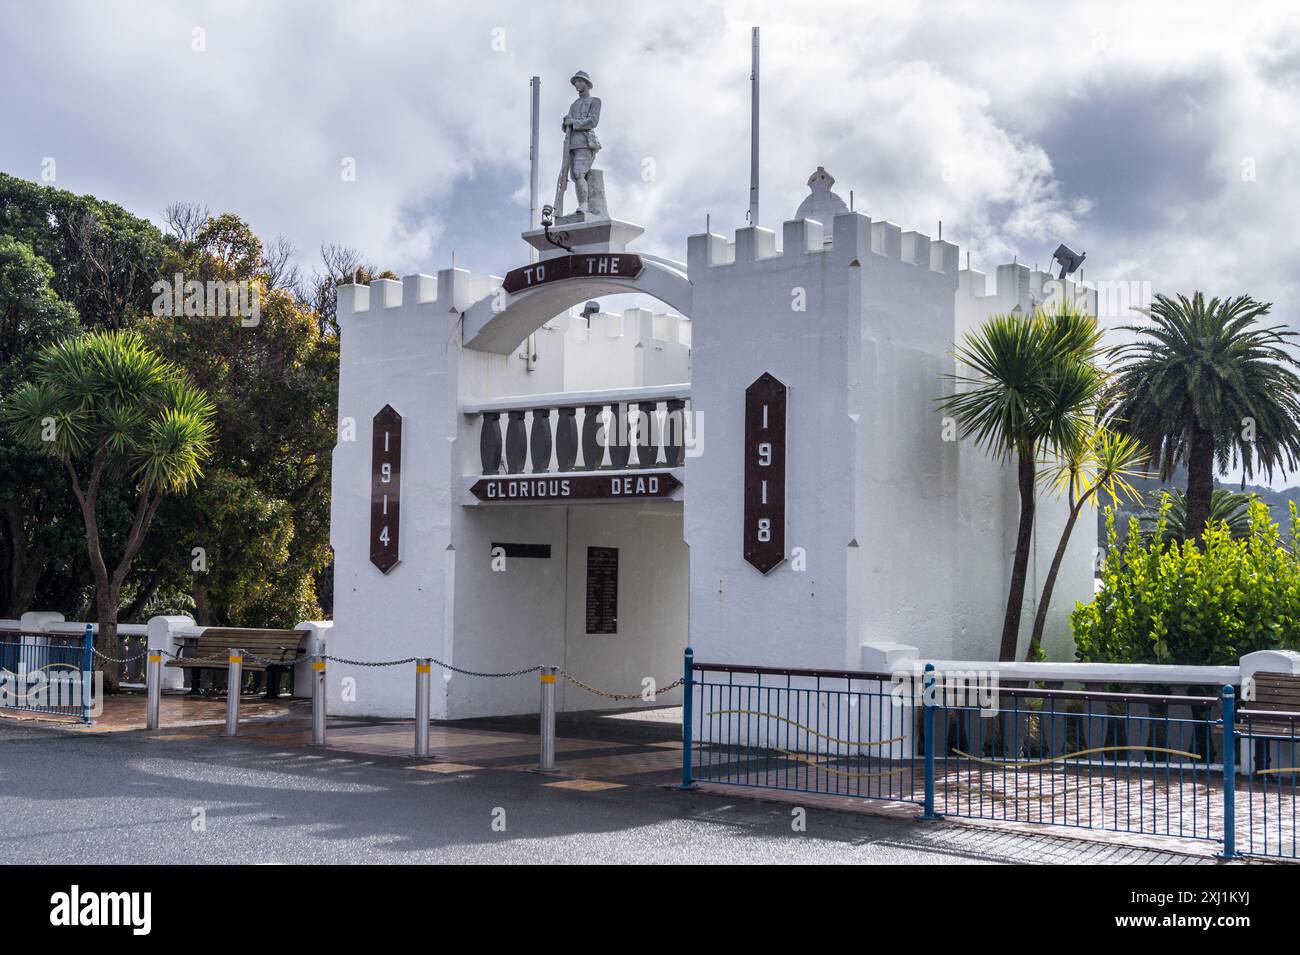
(105, 260)
(1203, 602)
(1206, 384)
(1229, 508)
(112, 409)
(1029, 388)
(1100, 466)
(262, 515)
(36, 523)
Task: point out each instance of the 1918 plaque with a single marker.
(602, 590)
(764, 538)
(385, 488)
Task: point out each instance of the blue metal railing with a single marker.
(1143, 763)
(1125, 762)
(1266, 807)
(837, 733)
(47, 673)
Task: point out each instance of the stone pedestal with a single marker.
(592, 235)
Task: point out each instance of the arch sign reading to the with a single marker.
(765, 403)
(594, 265)
(385, 488)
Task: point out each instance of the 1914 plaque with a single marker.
(385, 488)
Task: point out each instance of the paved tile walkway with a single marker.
(1138, 809)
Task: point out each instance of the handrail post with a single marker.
(423, 667)
(234, 678)
(688, 708)
(318, 700)
(153, 685)
(87, 672)
(546, 756)
(1229, 720)
(927, 722)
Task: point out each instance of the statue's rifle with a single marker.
(562, 184)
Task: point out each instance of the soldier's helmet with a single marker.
(581, 75)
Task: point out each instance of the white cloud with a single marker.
(1120, 129)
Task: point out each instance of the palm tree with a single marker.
(1100, 465)
(110, 408)
(1208, 385)
(1226, 507)
(1029, 386)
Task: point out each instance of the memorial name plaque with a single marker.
(764, 538)
(602, 590)
(385, 488)
(595, 265)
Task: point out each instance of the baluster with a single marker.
(674, 437)
(566, 438)
(539, 442)
(489, 442)
(647, 430)
(616, 439)
(592, 453)
(1181, 734)
(516, 443)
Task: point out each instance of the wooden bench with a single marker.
(1274, 739)
(1274, 693)
(212, 652)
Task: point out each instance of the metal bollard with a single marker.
(88, 671)
(688, 704)
(927, 719)
(1229, 773)
(546, 763)
(234, 679)
(423, 666)
(153, 683)
(318, 701)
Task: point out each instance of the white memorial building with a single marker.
(758, 467)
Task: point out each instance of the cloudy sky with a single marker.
(1159, 138)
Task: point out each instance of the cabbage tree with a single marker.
(112, 410)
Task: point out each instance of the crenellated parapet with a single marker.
(853, 238)
(450, 290)
(633, 349)
(1019, 286)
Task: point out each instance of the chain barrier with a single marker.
(107, 659)
(621, 696)
(437, 663)
(369, 663)
(269, 661)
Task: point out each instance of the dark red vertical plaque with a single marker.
(385, 488)
(765, 402)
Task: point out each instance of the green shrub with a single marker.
(1197, 602)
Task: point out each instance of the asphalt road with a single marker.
(123, 798)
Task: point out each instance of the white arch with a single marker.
(502, 331)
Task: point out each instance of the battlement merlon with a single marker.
(453, 289)
(1019, 285)
(853, 236)
(641, 325)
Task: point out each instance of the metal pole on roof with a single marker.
(533, 158)
(753, 135)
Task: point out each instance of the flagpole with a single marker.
(753, 136)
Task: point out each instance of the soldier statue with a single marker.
(581, 144)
